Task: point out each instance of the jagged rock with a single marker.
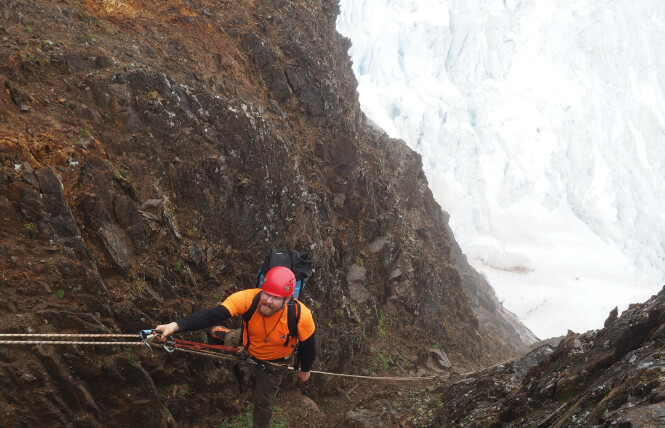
(599, 378)
(128, 217)
(363, 418)
(356, 277)
(378, 244)
(437, 359)
(614, 313)
(7, 213)
(308, 403)
(196, 255)
(117, 245)
(396, 274)
(150, 203)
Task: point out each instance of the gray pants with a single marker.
(266, 384)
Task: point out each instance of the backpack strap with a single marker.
(248, 316)
(292, 319)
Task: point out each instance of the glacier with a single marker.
(541, 126)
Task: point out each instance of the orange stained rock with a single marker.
(44, 149)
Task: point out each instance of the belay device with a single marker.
(300, 263)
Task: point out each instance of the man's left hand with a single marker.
(303, 376)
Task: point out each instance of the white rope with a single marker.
(64, 342)
(375, 377)
(288, 367)
(64, 335)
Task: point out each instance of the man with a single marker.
(265, 335)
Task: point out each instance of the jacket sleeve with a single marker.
(307, 351)
(204, 318)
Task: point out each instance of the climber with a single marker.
(268, 336)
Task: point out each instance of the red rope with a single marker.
(184, 344)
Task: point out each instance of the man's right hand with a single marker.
(167, 330)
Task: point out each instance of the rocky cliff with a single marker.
(602, 378)
(150, 151)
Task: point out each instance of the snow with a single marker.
(542, 129)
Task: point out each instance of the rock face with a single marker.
(151, 150)
(608, 377)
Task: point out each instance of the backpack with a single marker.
(302, 266)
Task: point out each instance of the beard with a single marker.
(266, 310)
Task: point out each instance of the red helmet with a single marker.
(280, 281)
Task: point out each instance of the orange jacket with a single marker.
(275, 327)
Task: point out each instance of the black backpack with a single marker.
(302, 266)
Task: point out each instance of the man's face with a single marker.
(269, 304)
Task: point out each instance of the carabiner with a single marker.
(147, 336)
(169, 342)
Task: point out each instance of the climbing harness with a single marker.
(147, 338)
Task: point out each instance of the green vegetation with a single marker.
(53, 271)
(361, 262)
(28, 29)
(379, 361)
(383, 363)
(154, 96)
(278, 419)
(60, 293)
(31, 228)
(384, 322)
(139, 285)
(244, 419)
(317, 306)
(89, 37)
(119, 174)
(176, 267)
(130, 356)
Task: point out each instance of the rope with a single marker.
(217, 355)
(185, 344)
(250, 361)
(67, 342)
(65, 335)
(374, 377)
(191, 347)
(64, 342)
